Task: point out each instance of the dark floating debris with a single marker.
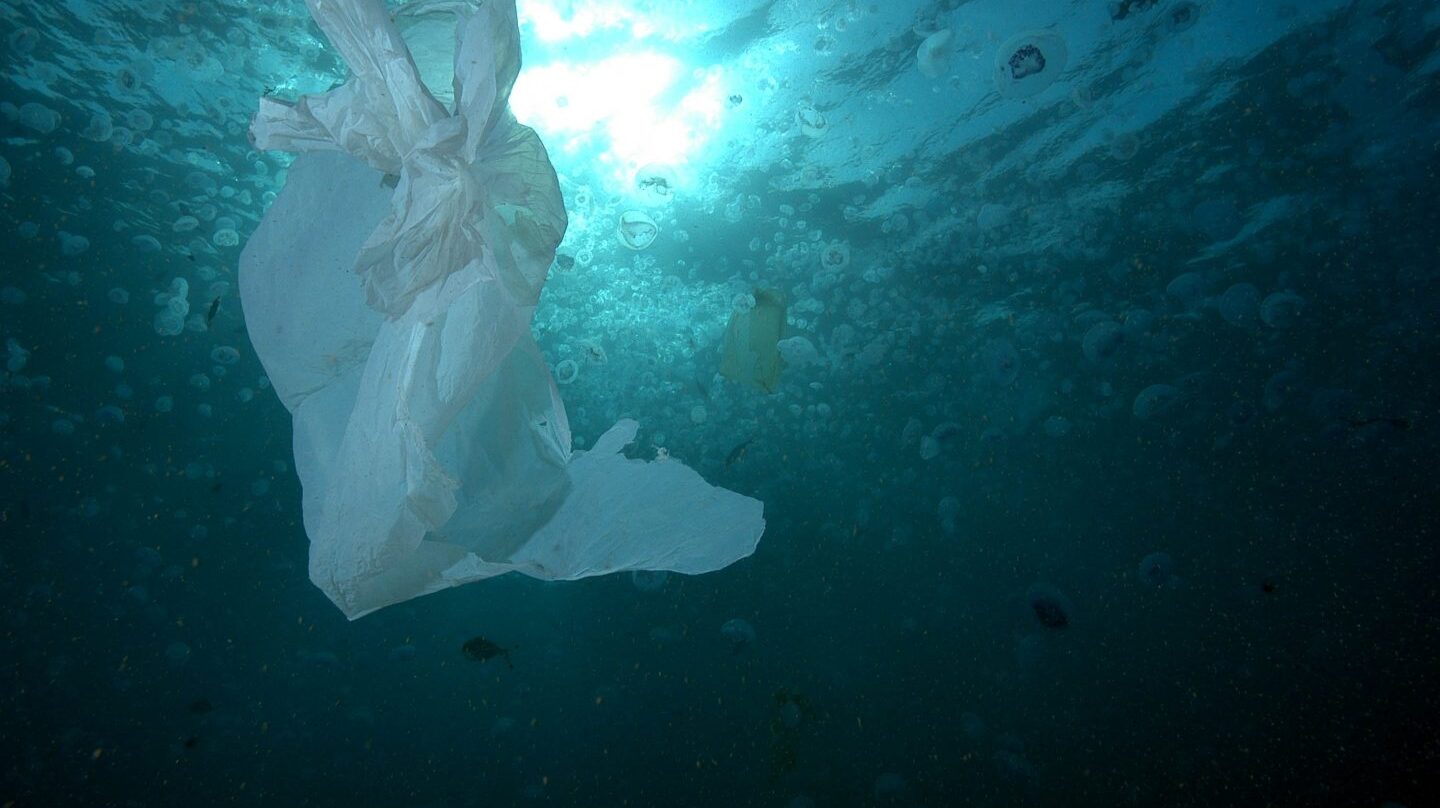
(482, 650)
(1120, 10)
(1050, 606)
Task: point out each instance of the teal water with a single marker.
(1110, 480)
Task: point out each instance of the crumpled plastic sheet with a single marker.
(389, 292)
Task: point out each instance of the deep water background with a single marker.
(160, 643)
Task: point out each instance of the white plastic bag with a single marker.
(389, 292)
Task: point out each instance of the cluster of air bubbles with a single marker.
(567, 371)
(72, 245)
(174, 308)
(656, 184)
(1028, 63)
(811, 120)
(934, 54)
(637, 230)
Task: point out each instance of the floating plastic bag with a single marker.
(389, 292)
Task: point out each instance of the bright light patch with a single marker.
(573, 98)
(626, 110)
(551, 24)
(706, 102)
(559, 20)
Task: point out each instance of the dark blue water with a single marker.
(1111, 480)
